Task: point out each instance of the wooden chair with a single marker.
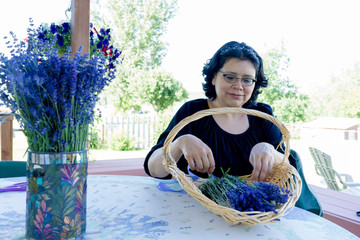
(12, 169)
(323, 167)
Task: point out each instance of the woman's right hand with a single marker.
(198, 155)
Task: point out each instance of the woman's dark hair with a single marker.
(234, 50)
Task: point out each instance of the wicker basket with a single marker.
(284, 174)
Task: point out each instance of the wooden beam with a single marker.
(80, 25)
(6, 131)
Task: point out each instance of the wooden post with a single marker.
(80, 25)
(102, 133)
(7, 137)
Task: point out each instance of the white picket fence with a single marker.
(137, 127)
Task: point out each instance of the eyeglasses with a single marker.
(231, 78)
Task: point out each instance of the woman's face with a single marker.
(234, 94)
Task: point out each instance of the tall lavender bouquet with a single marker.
(52, 97)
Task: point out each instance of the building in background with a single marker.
(331, 128)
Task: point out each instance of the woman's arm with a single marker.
(155, 165)
(263, 156)
(198, 155)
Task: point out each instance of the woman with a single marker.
(212, 144)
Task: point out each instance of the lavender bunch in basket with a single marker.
(244, 195)
(53, 97)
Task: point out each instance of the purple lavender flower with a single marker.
(53, 97)
(72, 80)
(244, 195)
(55, 136)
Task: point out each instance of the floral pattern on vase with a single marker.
(56, 195)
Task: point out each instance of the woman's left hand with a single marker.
(262, 159)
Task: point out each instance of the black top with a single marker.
(229, 150)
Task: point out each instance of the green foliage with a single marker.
(164, 119)
(94, 138)
(291, 110)
(288, 104)
(121, 143)
(167, 90)
(138, 28)
(340, 97)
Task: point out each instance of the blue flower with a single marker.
(99, 42)
(60, 40)
(53, 28)
(42, 35)
(99, 45)
(105, 42)
(66, 28)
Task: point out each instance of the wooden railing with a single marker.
(6, 137)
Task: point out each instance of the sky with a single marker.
(321, 37)
(15, 14)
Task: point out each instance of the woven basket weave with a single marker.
(285, 175)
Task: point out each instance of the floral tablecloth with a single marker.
(129, 207)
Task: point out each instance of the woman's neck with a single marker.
(231, 122)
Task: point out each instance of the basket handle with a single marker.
(168, 159)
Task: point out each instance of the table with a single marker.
(131, 207)
(340, 207)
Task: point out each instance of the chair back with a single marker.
(324, 168)
(12, 169)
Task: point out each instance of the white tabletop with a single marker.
(129, 207)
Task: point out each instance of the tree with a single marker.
(288, 104)
(167, 91)
(138, 27)
(341, 96)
